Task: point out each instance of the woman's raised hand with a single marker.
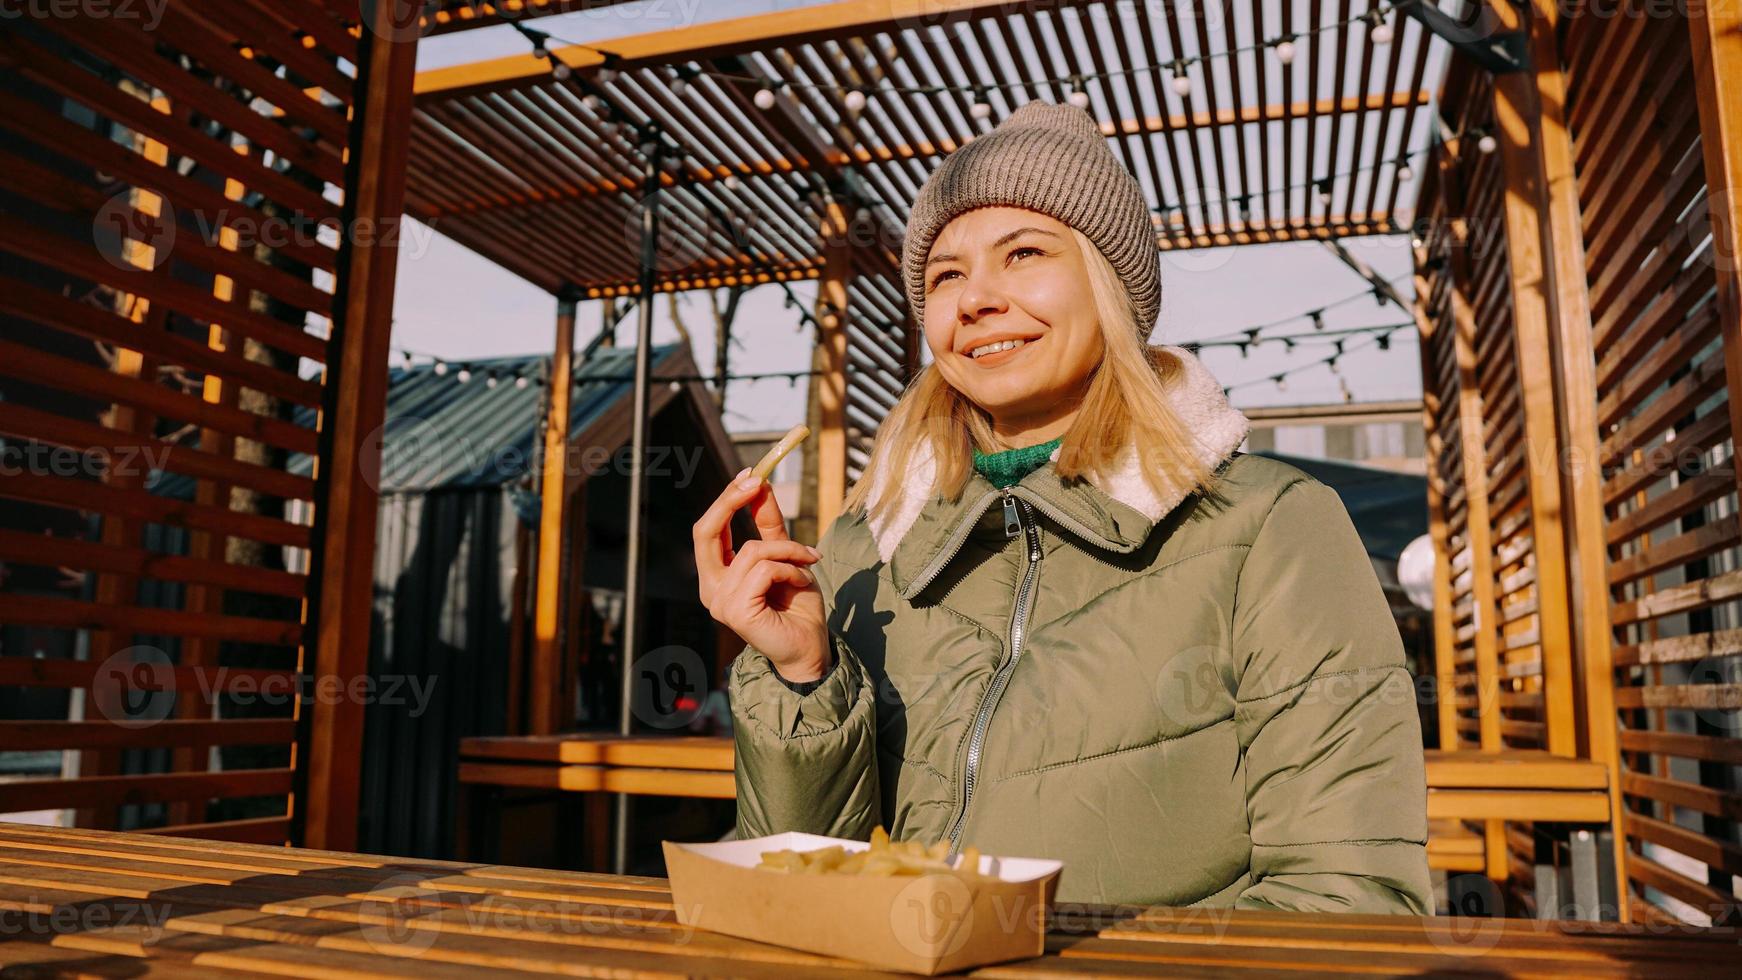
(765, 591)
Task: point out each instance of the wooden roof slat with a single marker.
(1260, 67)
(1197, 195)
(1379, 160)
(570, 177)
(1347, 193)
(1169, 143)
(1224, 189)
(1422, 164)
(1339, 75)
(1114, 85)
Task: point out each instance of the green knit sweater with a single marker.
(1006, 468)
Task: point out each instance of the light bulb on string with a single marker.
(561, 71)
(592, 102)
(407, 357)
(463, 376)
(1324, 189)
(1404, 170)
(490, 380)
(522, 381)
(680, 86)
(1380, 29)
(1078, 97)
(1182, 83)
(1281, 382)
(764, 98)
(606, 75)
(733, 183)
(1318, 319)
(1487, 143)
(1285, 51)
(981, 109)
(441, 368)
(855, 101)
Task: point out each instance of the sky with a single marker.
(452, 303)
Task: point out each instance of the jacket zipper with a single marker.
(959, 536)
(1014, 524)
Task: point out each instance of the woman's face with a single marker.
(1010, 318)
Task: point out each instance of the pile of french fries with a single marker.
(884, 858)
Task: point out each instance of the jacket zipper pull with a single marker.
(1012, 519)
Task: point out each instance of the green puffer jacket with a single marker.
(1189, 699)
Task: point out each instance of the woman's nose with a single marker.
(978, 297)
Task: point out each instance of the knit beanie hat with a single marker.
(1051, 159)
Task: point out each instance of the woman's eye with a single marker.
(1022, 250)
(940, 277)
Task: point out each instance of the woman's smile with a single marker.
(992, 353)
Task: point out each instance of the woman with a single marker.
(1061, 615)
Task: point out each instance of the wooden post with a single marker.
(354, 404)
(1479, 527)
(832, 347)
(1518, 121)
(1715, 31)
(543, 686)
(1574, 367)
(1445, 636)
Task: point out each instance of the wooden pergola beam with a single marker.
(1578, 464)
(1535, 294)
(354, 405)
(1263, 233)
(454, 16)
(716, 39)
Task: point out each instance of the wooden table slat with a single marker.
(226, 909)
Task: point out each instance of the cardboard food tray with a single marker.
(933, 923)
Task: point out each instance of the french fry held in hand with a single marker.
(883, 858)
(778, 451)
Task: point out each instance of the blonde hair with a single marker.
(1125, 404)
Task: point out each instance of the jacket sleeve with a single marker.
(806, 758)
(1336, 787)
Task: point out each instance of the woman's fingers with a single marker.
(764, 575)
(735, 578)
(713, 532)
(765, 511)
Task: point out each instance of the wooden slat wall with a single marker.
(1666, 451)
(227, 122)
(1660, 391)
(1482, 505)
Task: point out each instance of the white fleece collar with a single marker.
(1196, 397)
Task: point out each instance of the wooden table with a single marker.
(95, 903)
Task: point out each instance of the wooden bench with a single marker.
(590, 764)
(1516, 786)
